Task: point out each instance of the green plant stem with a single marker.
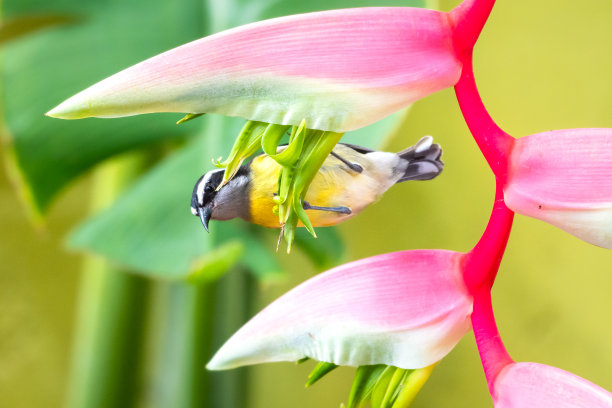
(181, 378)
(234, 295)
(109, 325)
(197, 319)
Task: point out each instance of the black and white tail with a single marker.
(423, 160)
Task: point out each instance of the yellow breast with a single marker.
(334, 185)
(264, 184)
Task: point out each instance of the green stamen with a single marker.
(248, 142)
(387, 386)
(381, 386)
(366, 378)
(291, 153)
(394, 387)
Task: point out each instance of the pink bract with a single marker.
(406, 309)
(522, 385)
(339, 70)
(564, 177)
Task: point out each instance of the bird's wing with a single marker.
(348, 154)
(358, 149)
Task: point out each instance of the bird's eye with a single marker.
(209, 189)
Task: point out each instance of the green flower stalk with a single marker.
(380, 385)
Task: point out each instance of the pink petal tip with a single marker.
(522, 385)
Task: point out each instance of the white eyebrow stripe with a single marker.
(200, 190)
(203, 182)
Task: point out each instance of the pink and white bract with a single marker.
(406, 309)
(339, 70)
(564, 177)
(521, 385)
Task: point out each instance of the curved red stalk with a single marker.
(468, 19)
(480, 268)
(482, 262)
(492, 351)
(494, 143)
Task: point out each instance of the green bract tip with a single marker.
(321, 369)
(189, 117)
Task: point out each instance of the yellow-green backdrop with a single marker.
(540, 66)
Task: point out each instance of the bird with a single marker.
(350, 179)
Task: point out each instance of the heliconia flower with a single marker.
(564, 177)
(407, 309)
(338, 70)
(537, 385)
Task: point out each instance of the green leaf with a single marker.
(394, 387)
(387, 386)
(366, 378)
(260, 259)
(411, 385)
(16, 27)
(272, 8)
(380, 387)
(321, 369)
(151, 230)
(216, 262)
(42, 69)
(326, 251)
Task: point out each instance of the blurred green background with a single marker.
(539, 65)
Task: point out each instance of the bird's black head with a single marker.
(204, 193)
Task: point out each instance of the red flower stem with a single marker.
(482, 262)
(480, 268)
(494, 143)
(492, 351)
(468, 19)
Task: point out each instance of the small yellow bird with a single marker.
(351, 178)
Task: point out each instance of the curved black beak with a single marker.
(205, 214)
